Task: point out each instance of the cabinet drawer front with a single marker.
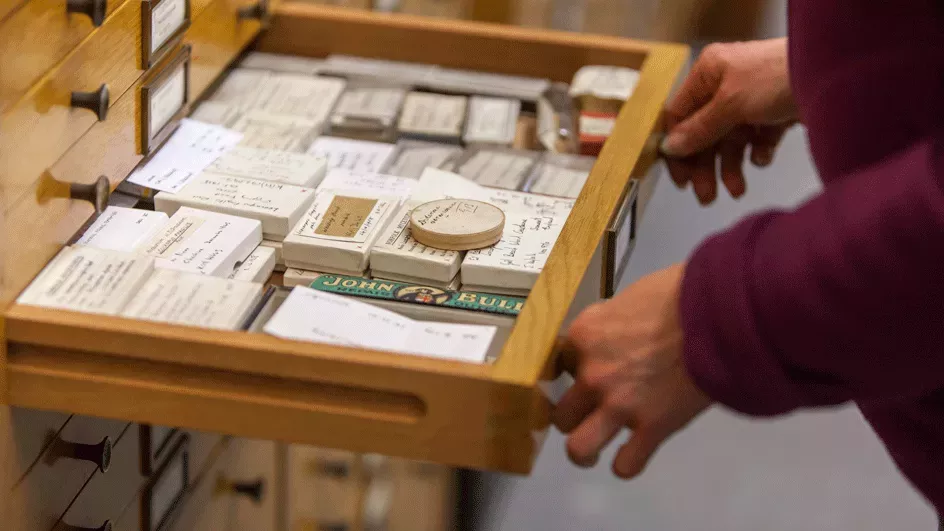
(44, 494)
(323, 488)
(259, 386)
(106, 496)
(33, 431)
(61, 31)
(44, 119)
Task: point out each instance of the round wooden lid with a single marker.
(457, 224)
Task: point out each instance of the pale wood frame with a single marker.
(486, 416)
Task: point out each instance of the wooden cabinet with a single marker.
(257, 386)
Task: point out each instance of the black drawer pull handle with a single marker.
(333, 527)
(254, 490)
(257, 11)
(334, 469)
(100, 453)
(96, 193)
(95, 101)
(66, 527)
(94, 9)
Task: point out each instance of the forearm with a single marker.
(842, 299)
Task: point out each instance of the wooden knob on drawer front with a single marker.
(257, 11)
(66, 527)
(95, 101)
(94, 9)
(254, 490)
(100, 453)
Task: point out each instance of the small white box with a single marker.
(607, 82)
(353, 155)
(491, 121)
(264, 130)
(296, 169)
(397, 255)
(298, 277)
(86, 279)
(560, 175)
(122, 229)
(217, 113)
(303, 96)
(277, 206)
(433, 116)
(194, 300)
(414, 156)
(243, 87)
(276, 246)
(257, 267)
(367, 184)
(368, 105)
(337, 233)
(203, 242)
(276, 62)
(497, 167)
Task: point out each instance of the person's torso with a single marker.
(868, 77)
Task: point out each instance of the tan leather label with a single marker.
(345, 216)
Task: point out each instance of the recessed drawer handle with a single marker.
(95, 101)
(66, 527)
(253, 490)
(257, 11)
(94, 9)
(100, 453)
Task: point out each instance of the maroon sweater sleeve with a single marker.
(841, 299)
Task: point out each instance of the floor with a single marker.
(810, 471)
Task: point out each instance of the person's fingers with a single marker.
(632, 457)
(593, 434)
(704, 179)
(573, 408)
(698, 87)
(703, 129)
(764, 144)
(567, 357)
(732, 165)
(680, 171)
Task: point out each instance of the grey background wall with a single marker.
(810, 471)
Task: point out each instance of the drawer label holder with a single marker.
(155, 442)
(167, 487)
(619, 241)
(164, 98)
(163, 23)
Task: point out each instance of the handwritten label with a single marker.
(336, 217)
(301, 96)
(491, 120)
(433, 114)
(270, 165)
(122, 229)
(264, 130)
(342, 321)
(398, 238)
(498, 169)
(608, 82)
(257, 267)
(192, 147)
(87, 279)
(244, 87)
(167, 17)
(354, 155)
(367, 183)
(166, 100)
(193, 300)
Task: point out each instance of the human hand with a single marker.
(629, 373)
(736, 95)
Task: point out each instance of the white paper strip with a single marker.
(354, 155)
(122, 229)
(297, 169)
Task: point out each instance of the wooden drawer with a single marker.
(41, 497)
(31, 432)
(253, 385)
(423, 498)
(214, 503)
(324, 488)
(46, 123)
(106, 496)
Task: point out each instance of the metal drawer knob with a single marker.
(257, 11)
(94, 9)
(334, 469)
(100, 453)
(66, 527)
(253, 490)
(95, 101)
(96, 193)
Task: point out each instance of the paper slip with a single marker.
(203, 242)
(519, 87)
(498, 168)
(380, 105)
(257, 267)
(354, 155)
(310, 315)
(438, 184)
(243, 87)
(413, 157)
(337, 232)
(217, 113)
(192, 147)
(596, 126)
(278, 206)
(194, 300)
(277, 247)
(433, 115)
(516, 261)
(561, 175)
(390, 71)
(367, 184)
(122, 229)
(264, 130)
(86, 279)
(491, 120)
(297, 169)
(302, 96)
(609, 82)
(397, 252)
(282, 63)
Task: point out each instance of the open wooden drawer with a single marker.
(252, 385)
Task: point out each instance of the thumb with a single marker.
(701, 130)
